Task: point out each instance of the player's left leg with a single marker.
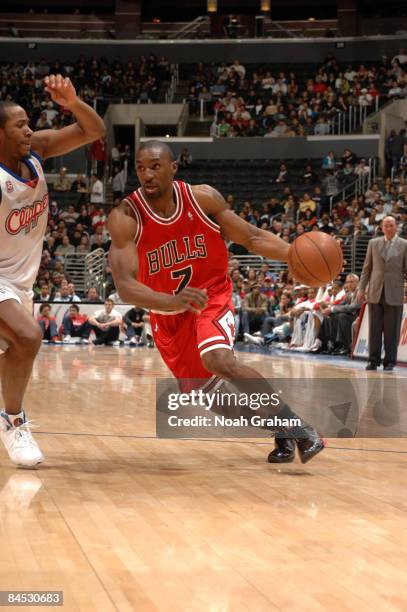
(22, 336)
(223, 363)
(215, 336)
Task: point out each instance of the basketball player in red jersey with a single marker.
(23, 221)
(168, 255)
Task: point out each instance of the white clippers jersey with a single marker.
(23, 221)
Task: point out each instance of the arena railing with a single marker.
(191, 28)
(358, 246)
(255, 262)
(350, 121)
(169, 96)
(354, 251)
(357, 187)
(86, 270)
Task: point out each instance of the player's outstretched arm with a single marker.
(88, 127)
(124, 263)
(234, 228)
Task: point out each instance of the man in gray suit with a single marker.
(384, 271)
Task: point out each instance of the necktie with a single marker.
(386, 250)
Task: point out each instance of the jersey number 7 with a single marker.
(185, 274)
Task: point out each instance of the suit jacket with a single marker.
(378, 272)
(351, 304)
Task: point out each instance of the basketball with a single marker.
(315, 259)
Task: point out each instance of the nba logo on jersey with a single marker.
(9, 187)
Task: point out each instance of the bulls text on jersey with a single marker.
(175, 252)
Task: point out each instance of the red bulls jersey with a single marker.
(186, 249)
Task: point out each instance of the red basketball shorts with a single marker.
(183, 338)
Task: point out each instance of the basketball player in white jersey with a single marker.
(23, 220)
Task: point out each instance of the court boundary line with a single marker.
(218, 441)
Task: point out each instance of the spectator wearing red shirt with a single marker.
(99, 220)
(98, 154)
(341, 209)
(373, 91)
(75, 325)
(267, 288)
(319, 86)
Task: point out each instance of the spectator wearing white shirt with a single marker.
(71, 291)
(29, 69)
(115, 297)
(365, 98)
(106, 324)
(373, 194)
(362, 168)
(118, 182)
(239, 68)
(70, 216)
(395, 90)
(301, 315)
(401, 57)
(280, 88)
(350, 73)
(115, 154)
(42, 122)
(50, 112)
(380, 214)
(96, 190)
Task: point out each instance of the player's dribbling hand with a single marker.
(60, 89)
(189, 299)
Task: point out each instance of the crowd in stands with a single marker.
(246, 101)
(271, 309)
(77, 225)
(289, 214)
(133, 81)
(263, 102)
(274, 310)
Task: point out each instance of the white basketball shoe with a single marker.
(253, 339)
(16, 436)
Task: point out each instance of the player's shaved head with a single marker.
(5, 107)
(157, 148)
(156, 168)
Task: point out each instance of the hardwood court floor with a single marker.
(120, 520)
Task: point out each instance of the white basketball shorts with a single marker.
(7, 292)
